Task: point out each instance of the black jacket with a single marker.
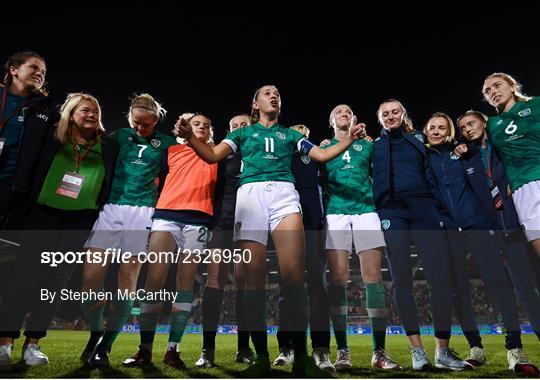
(40, 115)
(49, 147)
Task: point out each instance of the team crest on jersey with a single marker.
(499, 122)
(155, 143)
(524, 113)
(305, 159)
(358, 148)
(255, 135)
(281, 136)
(385, 223)
(419, 137)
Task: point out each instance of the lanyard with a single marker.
(2, 121)
(77, 150)
(488, 163)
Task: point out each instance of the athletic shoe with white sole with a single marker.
(320, 355)
(33, 356)
(5, 357)
(447, 358)
(343, 360)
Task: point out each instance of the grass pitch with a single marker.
(64, 348)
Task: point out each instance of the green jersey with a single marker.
(137, 165)
(267, 152)
(516, 136)
(349, 183)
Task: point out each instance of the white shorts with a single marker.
(527, 201)
(187, 236)
(364, 230)
(261, 206)
(122, 227)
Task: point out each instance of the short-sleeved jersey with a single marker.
(349, 184)
(267, 152)
(137, 165)
(516, 136)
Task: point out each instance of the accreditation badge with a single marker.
(497, 199)
(70, 185)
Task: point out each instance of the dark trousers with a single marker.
(42, 229)
(319, 314)
(485, 248)
(416, 221)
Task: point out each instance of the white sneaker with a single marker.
(320, 355)
(343, 360)
(477, 357)
(33, 356)
(5, 357)
(519, 362)
(285, 357)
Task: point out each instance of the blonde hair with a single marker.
(518, 95)
(445, 116)
(148, 104)
(302, 129)
(406, 123)
(63, 130)
(189, 116)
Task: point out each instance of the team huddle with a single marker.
(449, 190)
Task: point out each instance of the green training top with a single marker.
(516, 136)
(267, 152)
(138, 163)
(349, 183)
(91, 168)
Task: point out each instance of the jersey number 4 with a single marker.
(346, 156)
(269, 144)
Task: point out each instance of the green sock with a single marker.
(181, 310)
(256, 311)
(150, 312)
(295, 319)
(93, 314)
(337, 296)
(377, 312)
(119, 312)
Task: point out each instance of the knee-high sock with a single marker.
(378, 314)
(119, 312)
(181, 310)
(337, 296)
(211, 309)
(93, 314)
(150, 312)
(241, 322)
(256, 310)
(295, 317)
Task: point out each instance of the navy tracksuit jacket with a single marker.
(410, 213)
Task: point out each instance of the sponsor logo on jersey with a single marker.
(524, 113)
(385, 223)
(305, 159)
(155, 143)
(499, 122)
(281, 136)
(41, 116)
(419, 137)
(358, 148)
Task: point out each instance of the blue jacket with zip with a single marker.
(506, 218)
(383, 187)
(457, 192)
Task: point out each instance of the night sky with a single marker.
(210, 60)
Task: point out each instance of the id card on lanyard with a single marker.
(72, 182)
(4, 122)
(493, 188)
